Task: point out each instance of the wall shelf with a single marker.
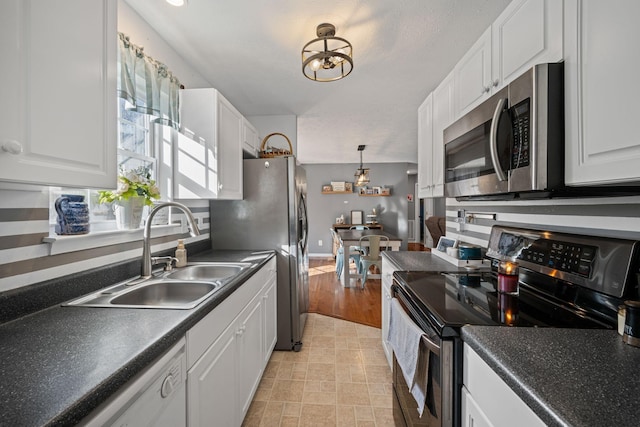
(337, 192)
(374, 195)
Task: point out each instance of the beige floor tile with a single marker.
(383, 416)
(319, 397)
(348, 356)
(287, 391)
(321, 372)
(353, 394)
(346, 416)
(318, 415)
(340, 378)
(292, 409)
(378, 374)
(364, 413)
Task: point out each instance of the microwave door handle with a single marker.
(493, 140)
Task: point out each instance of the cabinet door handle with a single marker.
(496, 82)
(11, 146)
(219, 186)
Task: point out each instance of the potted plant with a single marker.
(135, 190)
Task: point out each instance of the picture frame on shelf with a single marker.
(362, 190)
(348, 186)
(377, 190)
(327, 188)
(357, 217)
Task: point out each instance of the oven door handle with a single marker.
(433, 347)
(493, 140)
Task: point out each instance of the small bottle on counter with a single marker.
(181, 254)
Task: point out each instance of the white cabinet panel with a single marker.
(602, 145)
(211, 384)
(270, 310)
(493, 399)
(208, 164)
(58, 118)
(473, 80)
(472, 415)
(250, 139)
(387, 281)
(528, 32)
(425, 148)
(250, 336)
(443, 116)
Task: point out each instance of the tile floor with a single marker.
(339, 378)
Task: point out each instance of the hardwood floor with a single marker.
(327, 295)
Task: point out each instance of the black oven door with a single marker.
(436, 378)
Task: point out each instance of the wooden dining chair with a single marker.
(376, 242)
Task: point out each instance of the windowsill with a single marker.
(64, 244)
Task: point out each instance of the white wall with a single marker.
(286, 124)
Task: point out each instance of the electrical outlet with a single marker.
(319, 242)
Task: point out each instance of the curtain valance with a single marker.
(147, 84)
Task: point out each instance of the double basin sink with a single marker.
(182, 288)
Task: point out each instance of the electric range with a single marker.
(563, 280)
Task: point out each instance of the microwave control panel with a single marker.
(520, 122)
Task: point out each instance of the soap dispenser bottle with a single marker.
(181, 254)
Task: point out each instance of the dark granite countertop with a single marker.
(574, 377)
(60, 363)
(420, 261)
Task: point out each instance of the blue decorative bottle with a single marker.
(73, 215)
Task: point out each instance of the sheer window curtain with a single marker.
(147, 84)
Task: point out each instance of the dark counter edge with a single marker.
(543, 411)
(83, 283)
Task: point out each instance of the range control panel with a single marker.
(564, 256)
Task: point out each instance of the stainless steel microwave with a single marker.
(513, 143)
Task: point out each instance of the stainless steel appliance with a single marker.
(272, 215)
(564, 280)
(511, 143)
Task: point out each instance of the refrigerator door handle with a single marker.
(304, 224)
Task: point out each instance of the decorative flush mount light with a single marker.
(362, 174)
(327, 58)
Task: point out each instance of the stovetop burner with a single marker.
(451, 300)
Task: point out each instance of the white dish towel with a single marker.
(404, 337)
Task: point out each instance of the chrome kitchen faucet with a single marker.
(146, 237)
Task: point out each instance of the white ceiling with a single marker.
(250, 50)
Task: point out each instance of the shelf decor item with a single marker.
(267, 151)
(135, 190)
(73, 215)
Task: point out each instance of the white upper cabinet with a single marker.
(601, 74)
(208, 165)
(58, 118)
(527, 32)
(443, 115)
(250, 140)
(425, 148)
(473, 80)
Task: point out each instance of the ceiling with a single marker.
(250, 50)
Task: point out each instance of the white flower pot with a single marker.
(129, 213)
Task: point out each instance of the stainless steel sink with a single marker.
(166, 294)
(153, 293)
(209, 271)
(181, 289)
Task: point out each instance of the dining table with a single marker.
(352, 238)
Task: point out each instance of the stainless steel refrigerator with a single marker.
(272, 215)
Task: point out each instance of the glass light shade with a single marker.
(362, 177)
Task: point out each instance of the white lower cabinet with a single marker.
(227, 352)
(387, 281)
(487, 400)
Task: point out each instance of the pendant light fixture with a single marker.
(362, 174)
(327, 58)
